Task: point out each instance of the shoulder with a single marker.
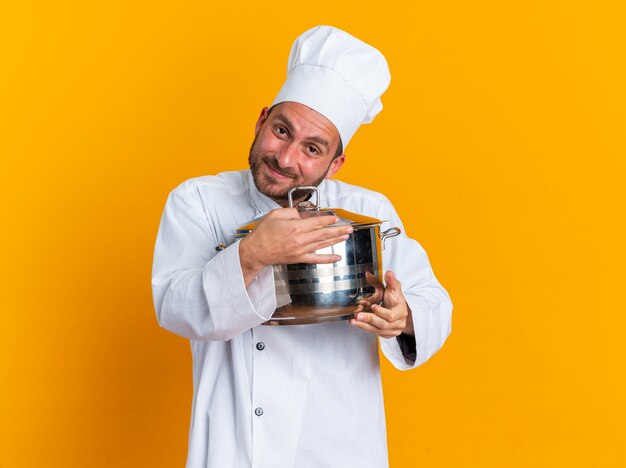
(232, 182)
(209, 190)
(354, 198)
(338, 190)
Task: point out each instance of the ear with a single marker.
(262, 118)
(335, 165)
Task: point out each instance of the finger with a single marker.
(283, 213)
(386, 314)
(376, 331)
(393, 295)
(391, 320)
(372, 319)
(327, 233)
(326, 243)
(392, 282)
(317, 222)
(318, 258)
(310, 255)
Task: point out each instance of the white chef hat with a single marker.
(337, 75)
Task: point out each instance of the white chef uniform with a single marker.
(303, 396)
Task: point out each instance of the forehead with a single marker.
(305, 121)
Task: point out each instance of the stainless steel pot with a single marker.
(313, 293)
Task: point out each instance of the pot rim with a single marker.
(239, 233)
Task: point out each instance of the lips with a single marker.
(277, 174)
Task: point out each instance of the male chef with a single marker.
(304, 396)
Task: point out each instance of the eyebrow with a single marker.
(314, 139)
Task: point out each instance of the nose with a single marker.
(287, 156)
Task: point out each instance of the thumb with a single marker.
(393, 291)
(392, 282)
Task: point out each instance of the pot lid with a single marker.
(308, 209)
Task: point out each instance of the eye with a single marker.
(312, 150)
(281, 130)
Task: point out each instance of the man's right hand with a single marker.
(283, 237)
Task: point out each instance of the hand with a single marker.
(389, 319)
(283, 237)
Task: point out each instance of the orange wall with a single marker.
(501, 145)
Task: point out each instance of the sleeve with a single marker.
(199, 293)
(428, 301)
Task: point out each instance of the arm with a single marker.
(283, 237)
(199, 293)
(422, 300)
(204, 295)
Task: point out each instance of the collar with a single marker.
(263, 204)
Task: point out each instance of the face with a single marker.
(293, 146)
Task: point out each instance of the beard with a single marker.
(269, 186)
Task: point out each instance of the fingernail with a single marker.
(349, 229)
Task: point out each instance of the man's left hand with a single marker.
(392, 317)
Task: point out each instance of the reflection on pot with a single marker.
(311, 293)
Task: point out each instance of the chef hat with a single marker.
(337, 75)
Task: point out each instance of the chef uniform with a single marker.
(301, 396)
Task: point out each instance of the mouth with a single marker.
(275, 174)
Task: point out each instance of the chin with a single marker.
(275, 193)
(271, 189)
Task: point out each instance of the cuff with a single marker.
(234, 308)
(401, 351)
(392, 351)
(407, 347)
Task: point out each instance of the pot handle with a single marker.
(307, 205)
(391, 232)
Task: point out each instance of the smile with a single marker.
(275, 174)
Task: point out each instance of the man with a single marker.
(305, 396)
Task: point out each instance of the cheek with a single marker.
(307, 166)
(259, 145)
(313, 168)
(267, 142)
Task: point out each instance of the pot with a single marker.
(314, 293)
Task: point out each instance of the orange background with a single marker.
(501, 145)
